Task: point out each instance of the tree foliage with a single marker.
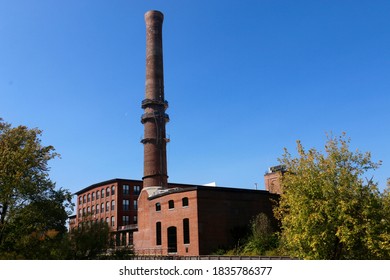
(89, 240)
(262, 238)
(327, 209)
(33, 211)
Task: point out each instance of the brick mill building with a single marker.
(181, 219)
(154, 216)
(196, 220)
(115, 202)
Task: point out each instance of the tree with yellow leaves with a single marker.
(328, 210)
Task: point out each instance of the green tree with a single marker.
(262, 238)
(33, 211)
(327, 209)
(89, 240)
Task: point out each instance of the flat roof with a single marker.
(206, 188)
(106, 183)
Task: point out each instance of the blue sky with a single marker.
(244, 79)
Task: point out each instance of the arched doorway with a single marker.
(172, 239)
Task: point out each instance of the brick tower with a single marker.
(154, 105)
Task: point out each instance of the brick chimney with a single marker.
(154, 105)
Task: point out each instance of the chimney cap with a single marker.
(154, 15)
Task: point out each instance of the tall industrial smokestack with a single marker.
(154, 105)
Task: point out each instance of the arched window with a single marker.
(102, 192)
(112, 190)
(158, 206)
(112, 205)
(97, 194)
(89, 197)
(186, 231)
(158, 233)
(112, 221)
(108, 192)
(107, 206)
(93, 196)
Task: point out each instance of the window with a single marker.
(135, 204)
(112, 221)
(112, 190)
(171, 204)
(102, 208)
(80, 200)
(97, 208)
(125, 220)
(84, 199)
(97, 195)
(112, 205)
(89, 197)
(89, 210)
(135, 219)
(93, 196)
(126, 203)
(185, 201)
(108, 192)
(158, 206)
(108, 220)
(136, 190)
(102, 192)
(80, 212)
(84, 211)
(158, 233)
(107, 206)
(126, 189)
(186, 231)
(93, 209)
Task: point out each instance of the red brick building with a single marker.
(115, 202)
(196, 220)
(181, 219)
(272, 179)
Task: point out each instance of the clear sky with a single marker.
(244, 79)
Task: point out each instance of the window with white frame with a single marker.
(136, 190)
(135, 204)
(126, 204)
(126, 189)
(125, 220)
